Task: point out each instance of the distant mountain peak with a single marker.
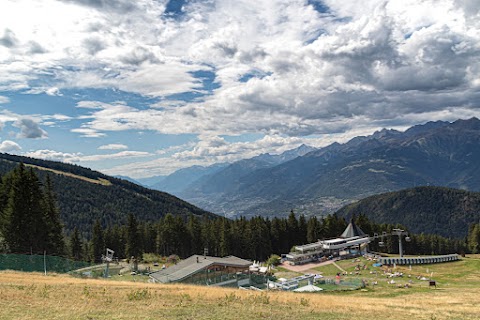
(472, 123)
(385, 133)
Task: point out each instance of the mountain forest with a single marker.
(84, 195)
(30, 223)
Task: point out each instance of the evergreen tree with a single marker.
(149, 234)
(23, 225)
(312, 230)
(76, 245)
(473, 238)
(302, 230)
(55, 243)
(292, 229)
(115, 240)
(209, 236)
(195, 234)
(224, 237)
(97, 244)
(167, 231)
(132, 248)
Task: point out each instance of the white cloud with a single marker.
(4, 99)
(54, 155)
(212, 149)
(113, 146)
(78, 157)
(88, 133)
(118, 155)
(281, 68)
(9, 146)
(30, 129)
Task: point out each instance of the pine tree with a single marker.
(115, 239)
(97, 246)
(473, 238)
(182, 238)
(76, 245)
(132, 248)
(302, 230)
(24, 227)
(292, 227)
(55, 243)
(168, 237)
(312, 230)
(224, 236)
(195, 234)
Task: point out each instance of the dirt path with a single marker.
(307, 266)
(336, 265)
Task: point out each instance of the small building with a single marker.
(206, 270)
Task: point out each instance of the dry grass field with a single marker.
(35, 296)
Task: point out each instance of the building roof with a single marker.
(190, 266)
(352, 230)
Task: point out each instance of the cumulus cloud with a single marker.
(113, 146)
(9, 146)
(8, 39)
(118, 155)
(93, 45)
(4, 99)
(30, 129)
(120, 6)
(212, 149)
(279, 68)
(88, 133)
(54, 155)
(78, 157)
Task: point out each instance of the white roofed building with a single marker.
(352, 241)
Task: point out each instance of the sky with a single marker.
(143, 88)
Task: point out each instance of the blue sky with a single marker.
(143, 88)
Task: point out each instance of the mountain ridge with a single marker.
(436, 153)
(434, 210)
(85, 195)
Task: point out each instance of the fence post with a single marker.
(45, 261)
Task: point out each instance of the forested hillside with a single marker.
(85, 195)
(254, 239)
(436, 210)
(30, 223)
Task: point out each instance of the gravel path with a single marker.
(306, 266)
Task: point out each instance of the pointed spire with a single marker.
(352, 230)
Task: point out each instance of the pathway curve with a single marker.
(307, 266)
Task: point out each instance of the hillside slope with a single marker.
(85, 195)
(431, 210)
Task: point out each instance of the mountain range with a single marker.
(320, 181)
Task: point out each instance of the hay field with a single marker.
(35, 296)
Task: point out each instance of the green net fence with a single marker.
(39, 263)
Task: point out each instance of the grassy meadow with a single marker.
(35, 296)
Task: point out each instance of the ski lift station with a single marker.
(353, 241)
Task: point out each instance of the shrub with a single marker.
(136, 295)
(273, 260)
